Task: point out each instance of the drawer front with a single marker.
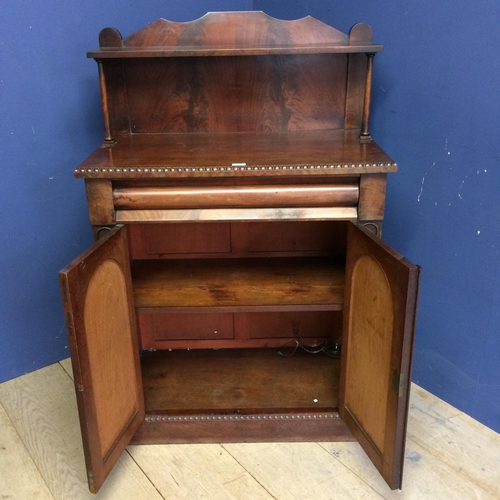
(194, 326)
(196, 197)
(307, 236)
(296, 325)
(160, 240)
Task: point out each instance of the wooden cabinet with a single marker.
(237, 203)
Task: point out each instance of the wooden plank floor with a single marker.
(448, 456)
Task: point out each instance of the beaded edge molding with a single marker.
(154, 171)
(239, 418)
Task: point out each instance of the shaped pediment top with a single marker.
(229, 29)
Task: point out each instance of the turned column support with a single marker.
(108, 138)
(365, 136)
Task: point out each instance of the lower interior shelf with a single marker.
(235, 381)
(240, 395)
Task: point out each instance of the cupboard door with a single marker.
(379, 322)
(100, 320)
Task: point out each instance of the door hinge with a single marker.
(80, 387)
(398, 382)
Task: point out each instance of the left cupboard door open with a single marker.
(100, 319)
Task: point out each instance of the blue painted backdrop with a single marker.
(436, 112)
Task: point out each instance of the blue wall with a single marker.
(437, 113)
(50, 121)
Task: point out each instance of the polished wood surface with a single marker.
(370, 330)
(372, 197)
(223, 328)
(380, 311)
(237, 239)
(236, 94)
(100, 200)
(238, 214)
(100, 321)
(294, 195)
(232, 33)
(148, 241)
(232, 380)
(238, 282)
(305, 153)
(237, 176)
(239, 395)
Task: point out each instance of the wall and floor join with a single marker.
(434, 110)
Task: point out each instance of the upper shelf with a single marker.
(311, 152)
(234, 34)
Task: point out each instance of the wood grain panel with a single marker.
(232, 379)
(296, 153)
(355, 91)
(96, 289)
(106, 318)
(191, 326)
(385, 332)
(238, 214)
(238, 282)
(235, 29)
(301, 325)
(100, 201)
(252, 428)
(370, 342)
(233, 94)
(233, 33)
(372, 197)
(294, 195)
(297, 237)
(159, 240)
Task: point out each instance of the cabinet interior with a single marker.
(239, 317)
(235, 381)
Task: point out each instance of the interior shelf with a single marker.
(239, 380)
(192, 51)
(239, 283)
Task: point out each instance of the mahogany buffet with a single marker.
(238, 289)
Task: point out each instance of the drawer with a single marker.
(197, 197)
(186, 326)
(295, 325)
(156, 240)
(297, 236)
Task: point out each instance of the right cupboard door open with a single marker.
(379, 322)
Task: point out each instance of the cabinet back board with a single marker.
(296, 75)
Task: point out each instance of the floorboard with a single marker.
(448, 456)
(42, 408)
(192, 472)
(19, 476)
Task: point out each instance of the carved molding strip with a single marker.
(239, 418)
(153, 172)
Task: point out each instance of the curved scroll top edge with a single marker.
(237, 30)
